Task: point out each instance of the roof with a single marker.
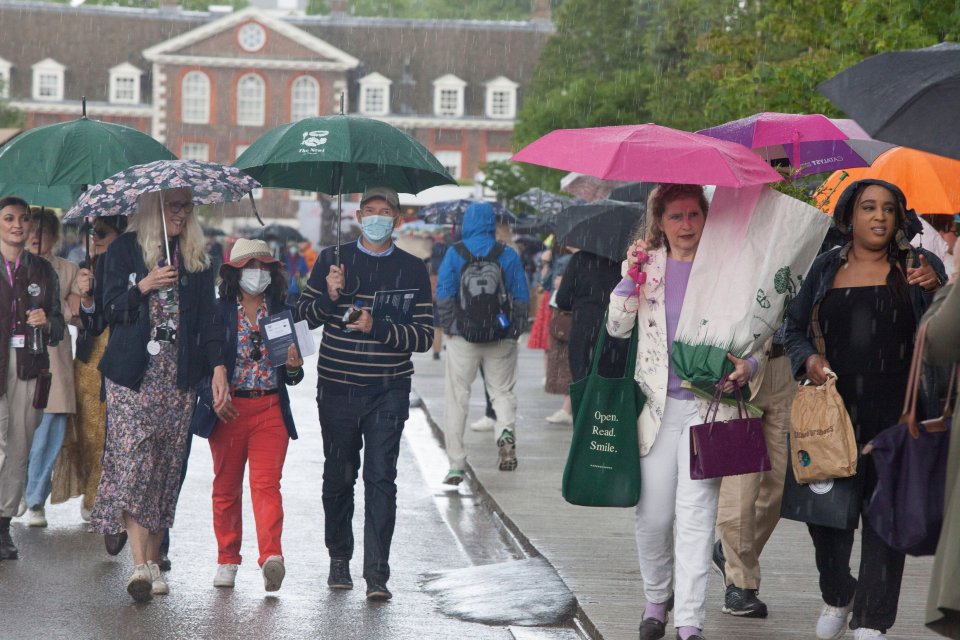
(411, 53)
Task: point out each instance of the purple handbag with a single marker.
(727, 448)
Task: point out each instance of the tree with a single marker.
(10, 117)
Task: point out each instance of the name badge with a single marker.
(18, 342)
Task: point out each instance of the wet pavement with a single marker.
(65, 585)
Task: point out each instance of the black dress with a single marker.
(868, 334)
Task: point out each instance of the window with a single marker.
(195, 151)
(125, 84)
(304, 98)
(4, 78)
(195, 99)
(448, 96)
(250, 100)
(451, 161)
(48, 80)
(251, 37)
(501, 98)
(375, 95)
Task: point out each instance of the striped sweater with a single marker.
(354, 363)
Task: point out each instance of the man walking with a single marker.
(483, 300)
(376, 309)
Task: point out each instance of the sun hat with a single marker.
(246, 250)
(386, 193)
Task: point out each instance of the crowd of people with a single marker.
(170, 345)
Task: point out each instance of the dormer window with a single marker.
(5, 67)
(501, 100)
(125, 84)
(375, 95)
(448, 96)
(48, 80)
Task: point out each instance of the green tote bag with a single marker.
(603, 467)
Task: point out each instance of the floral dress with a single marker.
(146, 436)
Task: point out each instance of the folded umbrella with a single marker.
(603, 227)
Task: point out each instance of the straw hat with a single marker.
(246, 250)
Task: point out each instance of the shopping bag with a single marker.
(829, 503)
(823, 444)
(907, 506)
(727, 448)
(603, 466)
(756, 246)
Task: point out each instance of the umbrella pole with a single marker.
(253, 203)
(40, 232)
(166, 240)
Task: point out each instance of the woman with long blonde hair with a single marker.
(165, 336)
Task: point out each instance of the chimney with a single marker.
(338, 8)
(541, 12)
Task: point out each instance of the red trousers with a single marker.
(258, 435)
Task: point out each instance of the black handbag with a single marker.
(832, 503)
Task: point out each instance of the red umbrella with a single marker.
(649, 153)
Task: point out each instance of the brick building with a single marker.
(208, 84)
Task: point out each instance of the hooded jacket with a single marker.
(479, 236)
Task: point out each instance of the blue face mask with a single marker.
(376, 229)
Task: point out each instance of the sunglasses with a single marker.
(256, 346)
(98, 233)
(177, 207)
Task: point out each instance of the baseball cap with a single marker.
(386, 193)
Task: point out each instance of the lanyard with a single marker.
(13, 287)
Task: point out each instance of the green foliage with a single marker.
(10, 118)
(510, 179)
(435, 9)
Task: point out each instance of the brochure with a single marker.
(394, 306)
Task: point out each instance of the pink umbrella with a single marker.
(812, 143)
(649, 153)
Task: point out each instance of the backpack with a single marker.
(482, 295)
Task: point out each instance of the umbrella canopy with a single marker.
(451, 212)
(649, 153)
(545, 202)
(75, 153)
(603, 227)
(210, 182)
(58, 197)
(907, 97)
(633, 192)
(341, 154)
(930, 182)
(284, 234)
(812, 143)
(587, 187)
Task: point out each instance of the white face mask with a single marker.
(254, 281)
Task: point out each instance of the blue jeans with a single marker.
(348, 423)
(47, 440)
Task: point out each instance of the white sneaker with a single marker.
(22, 509)
(37, 517)
(226, 576)
(832, 623)
(863, 633)
(159, 585)
(273, 572)
(560, 417)
(85, 513)
(483, 424)
(140, 584)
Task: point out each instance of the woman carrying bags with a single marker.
(866, 298)
(165, 337)
(30, 320)
(256, 424)
(676, 215)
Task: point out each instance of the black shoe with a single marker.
(163, 561)
(114, 542)
(377, 591)
(743, 603)
(720, 561)
(339, 577)
(653, 629)
(436, 355)
(8, 550)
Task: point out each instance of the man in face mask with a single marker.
(364, 372)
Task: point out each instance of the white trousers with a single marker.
(499, 360)
(668, 495)
(18, 421)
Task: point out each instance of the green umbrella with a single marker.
(341, 154)
(58, 197)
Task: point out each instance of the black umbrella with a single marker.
(603, 227)
(284, 234)
(633, 192)
(906, 97)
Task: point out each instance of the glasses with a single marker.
(178, 207)
(256, 346)
(98, 233)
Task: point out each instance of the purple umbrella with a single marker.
(812, 143)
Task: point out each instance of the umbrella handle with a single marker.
(253, 203)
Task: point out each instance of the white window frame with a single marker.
(371, 83)
(312, 109)
(189, 114)
(125, 72)
(195, 151)
(452, 83)
(451, 158)
(502, 84)
(48, 68)
(252, 109)
(240, 148)
(5, 66)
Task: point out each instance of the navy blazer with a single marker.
(127, 311)
(204, 417)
